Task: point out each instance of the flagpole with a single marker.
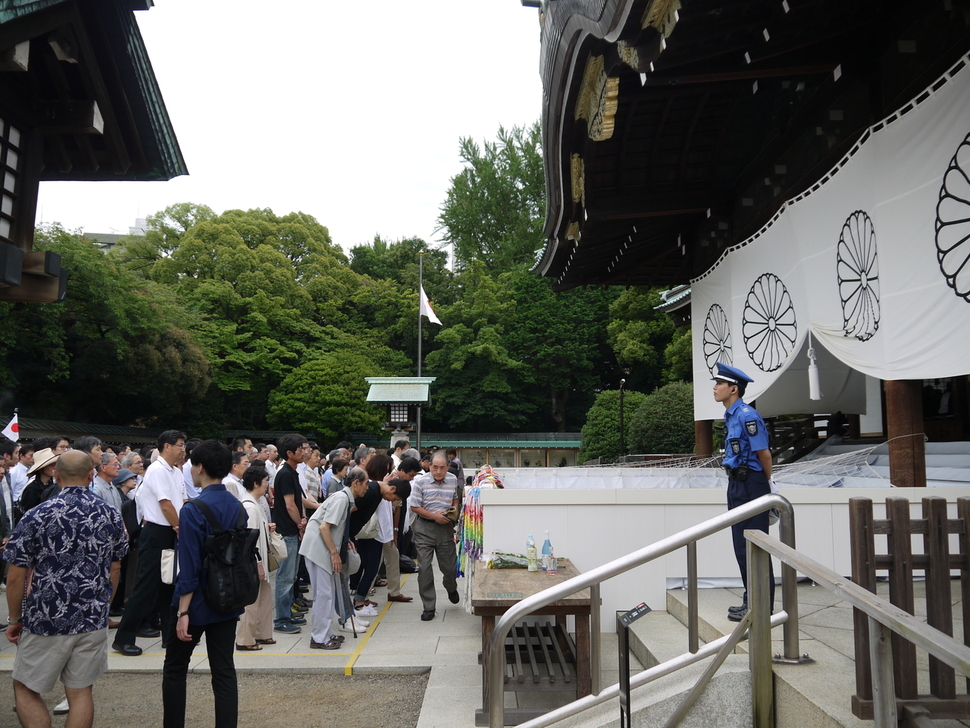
(420, 289)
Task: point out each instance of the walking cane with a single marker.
(348, 602)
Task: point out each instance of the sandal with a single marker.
(248, 648)
(381, 582)
(266, 642)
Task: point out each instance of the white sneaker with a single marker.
(362, 625)
(365, 611)
(61, 708)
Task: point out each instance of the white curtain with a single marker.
(873, 262)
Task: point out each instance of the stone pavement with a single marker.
(396, 642)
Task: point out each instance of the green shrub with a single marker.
(601, 433)
(664, 423)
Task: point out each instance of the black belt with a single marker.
(739, 473)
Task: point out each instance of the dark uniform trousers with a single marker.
(740, 492)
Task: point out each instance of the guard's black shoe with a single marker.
(738, 608)
(738, 615)
(454, 597)
(427, 615)
(147, 632)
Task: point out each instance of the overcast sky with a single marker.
(348, 111)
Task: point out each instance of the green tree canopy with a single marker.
(601, 433)
(639, 335)
(478, 381)
(118, 350)
(495, 208)
(328, 396)
(664, 423)
(565, 355)
(139, 253)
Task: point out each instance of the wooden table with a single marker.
(539, 657)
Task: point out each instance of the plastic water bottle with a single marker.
(553, 567)
(546, 550)
(530, 553)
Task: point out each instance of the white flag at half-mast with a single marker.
(426, 310)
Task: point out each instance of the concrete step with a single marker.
(656, 638)
(816, 694)
(725, 704)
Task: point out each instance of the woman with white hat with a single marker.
(40, 477)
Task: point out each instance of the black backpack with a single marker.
(230, 576)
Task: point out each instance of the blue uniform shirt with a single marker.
(744, 435)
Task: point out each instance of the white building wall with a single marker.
(593, 527)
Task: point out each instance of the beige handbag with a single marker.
(370, 529)
(277, 551)
(170, 566)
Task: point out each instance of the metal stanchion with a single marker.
(623, 622)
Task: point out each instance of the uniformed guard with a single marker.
(747, 461)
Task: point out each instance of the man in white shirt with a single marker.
(190, 490)
(160, 497)
(18, 473)
(270, 457)
(233, 480)
(398, 455)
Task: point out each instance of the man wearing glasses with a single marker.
(160, 497)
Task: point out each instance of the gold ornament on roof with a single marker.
(578, 179)
(598, 100)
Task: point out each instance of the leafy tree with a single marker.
(601, 433)
(679, 366)
(118, 350)
(399, 262)
(327, 396)
(556, 337)
(478, 380)
(640, 335)
(664, 423)
(495, 208)
(139, 253)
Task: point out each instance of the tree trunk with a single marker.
(558, 399)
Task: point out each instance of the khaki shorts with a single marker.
(77, 659)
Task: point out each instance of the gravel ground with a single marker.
(267, 700)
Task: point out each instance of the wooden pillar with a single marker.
(703, 438)
(904, 421)
(855, 427)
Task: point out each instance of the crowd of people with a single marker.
(89, 533)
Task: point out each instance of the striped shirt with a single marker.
(432, 496)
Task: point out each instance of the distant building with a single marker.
(107, 241)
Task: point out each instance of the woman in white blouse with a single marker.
(256, 624)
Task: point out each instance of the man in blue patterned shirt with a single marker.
(74, 542)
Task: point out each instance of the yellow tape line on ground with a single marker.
(349, 667)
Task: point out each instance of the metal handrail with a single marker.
(883, 616)
(592, 579)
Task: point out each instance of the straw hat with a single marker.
(42, 459)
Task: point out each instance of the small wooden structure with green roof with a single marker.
(403, 397)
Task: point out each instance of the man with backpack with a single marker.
(211, 461)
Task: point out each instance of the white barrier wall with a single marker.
(594, 526)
